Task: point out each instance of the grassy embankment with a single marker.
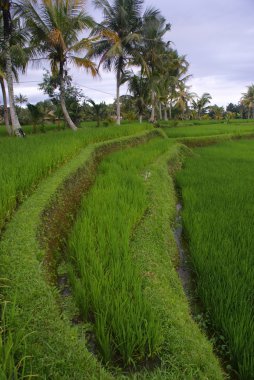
(23, 163)
(124, 325)
(217, 191)
(109, 258)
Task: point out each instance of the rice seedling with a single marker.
(11, 343)
(106, 280)
(24, 163)
(191, 129)
(217, 191)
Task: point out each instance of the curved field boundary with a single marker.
(186, 352)
(193, 142)
(57, 350)
(23, 164)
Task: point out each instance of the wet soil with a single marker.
(183, 269)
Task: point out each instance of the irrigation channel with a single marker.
(183, 269)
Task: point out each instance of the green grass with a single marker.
(137, 230)
(185, 353)
(13, 364)
(217, 190)
(56, 348)
(106, 282)
(209, 129)
(134, 268)
(24, 162)
(47, 127)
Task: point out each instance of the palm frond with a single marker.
(86, 64)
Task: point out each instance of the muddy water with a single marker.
(183, 269)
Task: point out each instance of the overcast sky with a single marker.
(217, 36)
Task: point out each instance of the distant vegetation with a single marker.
(129, 35)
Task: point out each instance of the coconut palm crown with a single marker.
(120, 32)
(55, 27)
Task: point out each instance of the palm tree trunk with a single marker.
(118, 106)
(62, 99)
(9, 79)
(160, 110)
(152, 118)
(140, 118)
(6, 113)
(165, 113)
(170, 109)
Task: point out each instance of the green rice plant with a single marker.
(24, 163)
(57, 348)
(11, 343)
(107, 284)
(217, 191)
(190, 129)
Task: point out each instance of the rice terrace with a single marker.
(126, 219)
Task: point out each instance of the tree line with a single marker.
(131, 40)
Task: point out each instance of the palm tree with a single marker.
(170, 73)
(5, 102)
(120, 32)
(55, 27)
(247, 100)
(97, 111)
(152, 51)
(36, 115)
(216, 112)
(20, 99)
(177, 77)
(183, 97)
(200, 105)
(7, 66)
(139, 87)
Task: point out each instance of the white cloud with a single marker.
(222, 90)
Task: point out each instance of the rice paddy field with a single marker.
(218, 198)
(199, 128)
(23, 163)
(105, 301)
(126, 327)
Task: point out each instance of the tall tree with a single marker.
(216, 112)
(152, 50)
(56, 26)
(201, 103)
(172, 73)
(183, 97)
(20, 99)
(5, 8)
(120, 33)
(5, 101)
(97, 111)
(139, 87)
(248, 100)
